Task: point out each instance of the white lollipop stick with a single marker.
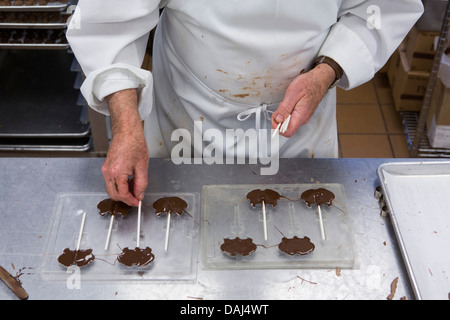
(138, 237)
(264, 220)
(167, 231)
(282, 126)
(276, 130)
(285, 124)
(322, 230)
(109, 232)
(81, 230)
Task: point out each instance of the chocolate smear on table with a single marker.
(79, 258)
(269, 196)
(113, 207)
(138, 257)
(301, 246)
(169, 205)
(318, 196)
(238, 246)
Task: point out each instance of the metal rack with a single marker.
(41, 109)
(424, 150)
(415, 127)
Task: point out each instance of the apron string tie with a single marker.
(258, 111)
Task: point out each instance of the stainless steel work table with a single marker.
(28, 189)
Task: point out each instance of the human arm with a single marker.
(358, 46)
(128, 154)
(109, 38)
(302, 97)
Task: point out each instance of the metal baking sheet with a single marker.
(38, 99)
(226, 213)
(417, 194)
(59, 25)
(46, 144)
(46, 8)
(178, 263)
(35, 46)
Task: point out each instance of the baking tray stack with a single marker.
(34, 24)
(39, 106)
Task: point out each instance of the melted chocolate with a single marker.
(296, 245)
(318, 196)
(113, 207)
(268, 196)
(139, 257)
(79, 258)
(169, 205)
(236, 246)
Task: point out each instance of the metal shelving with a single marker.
(424, 150)
(39, 106)
(416, 132)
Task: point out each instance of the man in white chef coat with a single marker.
(227, 64)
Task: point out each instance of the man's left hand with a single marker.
(302, 97)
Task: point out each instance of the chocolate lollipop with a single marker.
(267, 196)
(318, 196)
(236, 246)
(169, 205)
(262, 197)
(77, 257)
(301, 246)
(139, 257)
(113, 207)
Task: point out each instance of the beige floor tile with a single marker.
(365, 93)
(383, 89)
(392, 119)
(399, 145)
(365, 146)
(364, 118)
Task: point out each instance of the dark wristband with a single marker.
(334, 65)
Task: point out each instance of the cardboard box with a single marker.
(408, 87)
(393, 66)
(438, 119)
(420, 49)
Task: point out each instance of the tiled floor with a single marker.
(368, 124)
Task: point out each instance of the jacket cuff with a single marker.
(345, 47)
(105, 81)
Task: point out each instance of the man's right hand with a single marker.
(128, 154)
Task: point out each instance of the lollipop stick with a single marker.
(285, 124)
(109, 232)
(276, 130)
(138, 237)
(264, 220)
(81, 230)
(167, 231)
(322, 230)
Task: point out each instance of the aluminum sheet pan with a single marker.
(58, 25)
(417, 194)
(45, 8)
(35, 46)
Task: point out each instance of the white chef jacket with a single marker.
(227, 63)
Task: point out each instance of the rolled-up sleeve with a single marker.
(366, 34)
(109, 39)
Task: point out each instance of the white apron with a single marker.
(236, 86)
(226, 64)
